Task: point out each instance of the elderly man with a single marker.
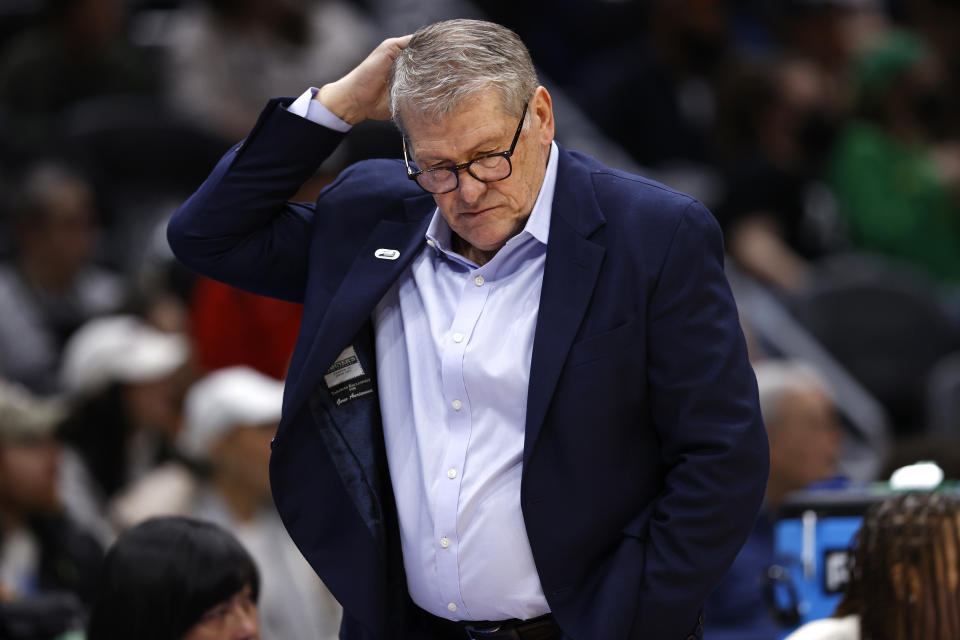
(520, 404)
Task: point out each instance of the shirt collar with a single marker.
(538, 223)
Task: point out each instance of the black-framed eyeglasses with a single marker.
(489, 168)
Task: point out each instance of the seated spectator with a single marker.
(176, 579)
(230, 418)
(831, 33)
(48, 564)
(895, 172)
(939, 22)
(51, 287)
(125, 378)
(904, 574)
(804, 436)
(779, 123)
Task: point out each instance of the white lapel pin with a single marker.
(386, 254)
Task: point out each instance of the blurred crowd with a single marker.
(821, 133)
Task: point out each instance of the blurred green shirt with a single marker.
(895, 203)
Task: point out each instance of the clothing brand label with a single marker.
(346, 378)
(386, 254)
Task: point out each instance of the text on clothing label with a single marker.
(346, 378)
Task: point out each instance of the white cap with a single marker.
(227, 399)
(25, 416)
(119, 348)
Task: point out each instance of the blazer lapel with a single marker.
(381, 260)
(572, 266)
(570, 274)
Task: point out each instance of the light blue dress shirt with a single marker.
(454, 343)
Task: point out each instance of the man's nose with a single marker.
(470, 188)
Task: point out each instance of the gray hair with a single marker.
(777, 378)
(447, 62)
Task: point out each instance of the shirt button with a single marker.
(457, 405)
(458, 337)
(431, 243)
(478, 281)
(452, 606)
(451, 473)
(444, 542)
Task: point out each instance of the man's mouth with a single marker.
(476, 212)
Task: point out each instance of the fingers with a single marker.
(362, 93)
(380, 59)
(393, 46)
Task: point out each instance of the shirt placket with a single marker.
(457, 400)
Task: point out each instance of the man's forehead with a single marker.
(466, 127)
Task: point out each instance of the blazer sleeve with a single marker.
(703, 401)
(239, 226)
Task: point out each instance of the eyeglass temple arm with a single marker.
(516, 136)
(411, 174)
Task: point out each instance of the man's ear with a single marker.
(541, 108)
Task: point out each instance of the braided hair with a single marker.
(905, 569)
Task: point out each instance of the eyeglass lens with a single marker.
(487, 169)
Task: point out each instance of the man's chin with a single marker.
(483, 239)
(489, 239)
(487, 247)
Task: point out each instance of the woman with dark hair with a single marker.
(175, 578)
(904, 577)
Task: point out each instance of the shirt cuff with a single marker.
(306, 107)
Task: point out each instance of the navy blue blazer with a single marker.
(645, 459)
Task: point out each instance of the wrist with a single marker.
(339, 103)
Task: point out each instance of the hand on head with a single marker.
(364, 93)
